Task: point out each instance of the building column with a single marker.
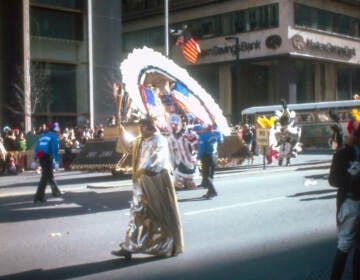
(318, 82)
(330, 82)
(272, 90)
(287, 80)
(107, 55)
(225, 89)
(309, 84)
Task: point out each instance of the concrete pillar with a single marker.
(309, 83)
(272, 94)
(287, 80)
(225, 89)
(107, 55)
(318, 82)
(330, 82)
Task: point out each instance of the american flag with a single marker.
(190, 46)
(154, 106)
(190, 103)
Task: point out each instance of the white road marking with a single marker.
(237, 205)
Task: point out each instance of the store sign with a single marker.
(273, 42)
(262, 137)
(301, 44)
(243, 46)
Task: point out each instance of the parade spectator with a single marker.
(345, 176)
(2, 156)
(10, 140)
(47, 153)
(31, 139)
(154, 227)
(10, 165)
(207, 154)
(336, 138)
(248, 135)
(21, 147)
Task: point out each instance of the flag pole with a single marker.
(167, 28)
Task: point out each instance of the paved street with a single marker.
(272, 223)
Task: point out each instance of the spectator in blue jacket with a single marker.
(47, 154)
(207, 154)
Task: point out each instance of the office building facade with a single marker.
(298, 50)
(58, 60)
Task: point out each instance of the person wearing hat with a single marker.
(154, 227)
(345, 176)
(207, 154)
(47, 154)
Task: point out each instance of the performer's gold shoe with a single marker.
(122, 253)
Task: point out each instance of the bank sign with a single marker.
(319, 48)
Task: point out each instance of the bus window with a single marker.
(323, 117)
(305, 117)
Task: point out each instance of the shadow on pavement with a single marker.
(311, 261)
(323, 176)
(66, 178)
(78, 270)
(317, 194)
(22, 208)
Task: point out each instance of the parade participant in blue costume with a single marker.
(207, 154)
(47, 154)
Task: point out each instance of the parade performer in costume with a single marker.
(287, 135)
(47, 153)
(269, 123)
(207, 154)
(182, 153)
(154, 227)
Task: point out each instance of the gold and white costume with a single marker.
(154, 227)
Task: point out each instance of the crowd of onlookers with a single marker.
(14, 143)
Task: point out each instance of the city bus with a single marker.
(313, 119)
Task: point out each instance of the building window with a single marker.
(258, 18)
(226, 23)
(148, 37)
(60, 93)
(343, 25)
(322, 20)
(56, 24)
(70, 4)
(302, 15)
(204, 28)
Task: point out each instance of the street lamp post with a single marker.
(237, 73)
(166, 27)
